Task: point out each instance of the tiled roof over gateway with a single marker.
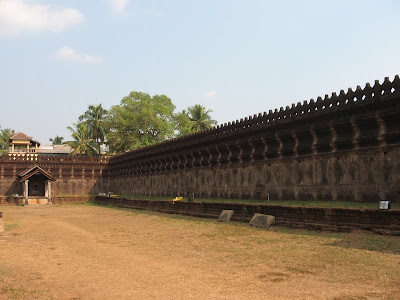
(20, 136)
(25, 175)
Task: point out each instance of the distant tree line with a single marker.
(139, 120)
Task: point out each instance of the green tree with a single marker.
(82, 143)
(58, 140)
(184, 124)
(95, 118)
(200, 117)
(140, 120)
(5, 139)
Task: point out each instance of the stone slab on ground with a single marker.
(263, 221)
(226, 215)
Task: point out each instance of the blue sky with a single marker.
(237, 58)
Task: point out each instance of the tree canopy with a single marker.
(140, 120)
(5, 139)
(58, 140)
(82, 143)
(95, 118)
(200, 117)
(184, 125)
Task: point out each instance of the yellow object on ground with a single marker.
(177, 199)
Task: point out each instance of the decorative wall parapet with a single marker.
(364, 118)
(50, 159)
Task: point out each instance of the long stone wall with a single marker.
(74, 176)
(345, 147)
(362, 176)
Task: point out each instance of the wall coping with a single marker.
(329, 104)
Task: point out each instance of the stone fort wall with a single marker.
(75, 176)
(345, 147)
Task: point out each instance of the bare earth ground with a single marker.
(90, 252)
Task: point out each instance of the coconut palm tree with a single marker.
(94, 117)
(58, 140)
(82, 144)
(200, 117)
(5, 139)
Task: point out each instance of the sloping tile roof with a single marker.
(33, 171)
(55, 149)
(20, 136)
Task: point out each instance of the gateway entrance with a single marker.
(36, 183)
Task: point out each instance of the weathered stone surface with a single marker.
(32, 201)
(341, 148)
(74, 176)
(226, 215)
(263, 221)
(43, 201)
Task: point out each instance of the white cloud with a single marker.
(17, 16)
(69, 54)
(210, 94)
(119, 5)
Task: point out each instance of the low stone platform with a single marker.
(314, 218)
(37, 201)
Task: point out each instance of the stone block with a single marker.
(43, 201)
(32, 201)
(263, 221)
(226, 216)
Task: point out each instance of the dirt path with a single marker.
(88, 252)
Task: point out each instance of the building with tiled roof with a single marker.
(22, 143)
(54, 150)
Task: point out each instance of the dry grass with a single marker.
(90, 252)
